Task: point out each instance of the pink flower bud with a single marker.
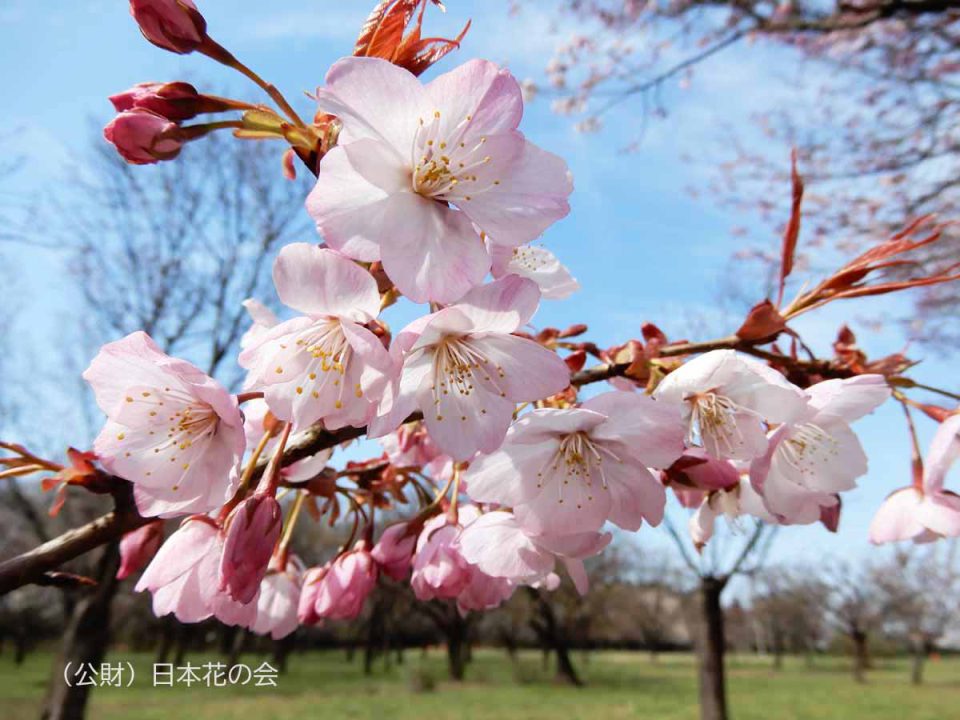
(143, 137)
(176, 101)
(394, 552)
(174, 25)
(138, 547)
(339, 590)
(254, 528)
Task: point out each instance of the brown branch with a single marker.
(33, 566)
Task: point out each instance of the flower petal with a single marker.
(321, 282)
(527, 198)
(352, 195)
(434, 252)
(501, 306)
(374, 98)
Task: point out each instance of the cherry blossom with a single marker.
(925, 511)
(568, 471)
(172, 431)
(423, 173)
(463, 369)
(174, 25)
(263, 319)
(143, 137)
(816, 455)
(394, 551)
(183, 577)
(439, 568)
(138, 547)
(725, 400)
(499, 545)
(252, 531)
(410, 446)
(279, 596)
(338, 590)
(731, 502)
(324, 364)
(483, 592)
(538, 264)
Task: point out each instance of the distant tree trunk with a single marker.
(400, 653)
(456, 632)
(861, 655)
(920, 649)
(778, 655)
(552, 637)
(281, 651)
(168, 631)
(237, 647)
(85, 641)
(182, 643)
(713, 688)
(19, 648)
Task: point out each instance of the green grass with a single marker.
(620, 685)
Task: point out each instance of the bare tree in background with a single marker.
(172, 250)
(739, 551)
(789, 607)
(921, 588)
(877, 92)
(855, 607)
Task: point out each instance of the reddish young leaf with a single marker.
(792, 232)
(763, 322)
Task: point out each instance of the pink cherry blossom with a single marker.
(568, 471)
(138, 547)
(338, 590)
(172, 431)
(537, 264)
(499, 545)
(483, 592)
(279, 596)
(816, 455)
(183, 577)
(731, 502)
(263, 319)
(410, 446)
(439, 569)
(924, 512)
(174, 25)
(323, 365)
(143, 137)
(726, 398)
(422, 173)
(176, 101)
(394, 551)
(464, 370)
(253, 529)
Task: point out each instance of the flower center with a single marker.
(713, 423)
(579, 459)
(327, 344)
(808, 448)
(187, 421)
(458, 368)
(445, 163)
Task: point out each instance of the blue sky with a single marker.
(641, 246)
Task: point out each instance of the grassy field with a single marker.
(620, 685)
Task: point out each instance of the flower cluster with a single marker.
(429, 192)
